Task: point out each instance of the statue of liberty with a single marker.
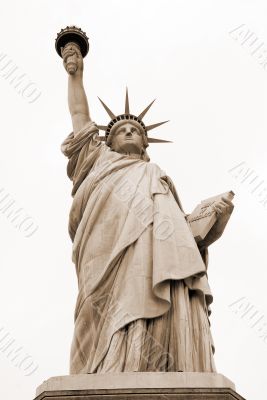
(144, 298)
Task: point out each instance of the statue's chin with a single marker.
(129, 148)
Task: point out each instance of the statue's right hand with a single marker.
(72, 59)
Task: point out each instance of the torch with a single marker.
(72, 34)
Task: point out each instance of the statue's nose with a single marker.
(128, 133)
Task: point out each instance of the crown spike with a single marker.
(110, 113)
(148, 128)
(153, 140)
(143, 113)
(102, 127)
(127, 108)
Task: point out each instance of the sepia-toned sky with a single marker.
(204, 62)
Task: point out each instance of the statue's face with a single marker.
(127, 137)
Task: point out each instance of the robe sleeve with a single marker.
(79, 148)
(170, 183)
(202, 248)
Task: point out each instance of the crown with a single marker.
(127, 116)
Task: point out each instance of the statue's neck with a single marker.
(132, 155)
(129, 154)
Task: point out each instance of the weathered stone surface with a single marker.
(139, 385)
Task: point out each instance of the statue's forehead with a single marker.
(119, 124)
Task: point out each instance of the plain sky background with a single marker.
(211, 89)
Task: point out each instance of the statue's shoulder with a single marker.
(153, 167)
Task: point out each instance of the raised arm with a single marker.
(77, 99)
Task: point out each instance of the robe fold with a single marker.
(143, 296)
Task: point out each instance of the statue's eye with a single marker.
(134, 130)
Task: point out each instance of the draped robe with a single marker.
(143, 301)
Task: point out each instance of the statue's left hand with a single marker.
(223, 209)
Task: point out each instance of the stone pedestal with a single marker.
(139, 386)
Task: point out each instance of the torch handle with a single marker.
(71, 61)
(72, 64)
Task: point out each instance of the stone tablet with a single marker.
(204, 217)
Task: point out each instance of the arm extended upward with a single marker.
(77, 100)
